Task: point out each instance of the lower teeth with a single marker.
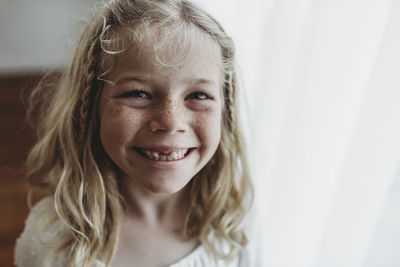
(163, 157)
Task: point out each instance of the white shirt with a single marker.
(31, 249)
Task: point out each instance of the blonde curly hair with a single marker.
(68, 160)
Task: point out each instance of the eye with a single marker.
(135, 94)
(199, 96)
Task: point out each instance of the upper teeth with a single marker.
(173, 155)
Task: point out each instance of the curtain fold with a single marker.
(322, 81)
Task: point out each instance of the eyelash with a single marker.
(136, 94)
(195, 95)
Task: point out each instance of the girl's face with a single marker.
(161, 123)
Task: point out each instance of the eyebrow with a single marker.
(143, 79)
(126, 78)
(202, 81)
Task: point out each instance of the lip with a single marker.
(164, 165)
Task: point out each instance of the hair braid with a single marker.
(229, 102)
(85, 102)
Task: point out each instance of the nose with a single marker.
(168, 117)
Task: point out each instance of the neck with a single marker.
(153, 209)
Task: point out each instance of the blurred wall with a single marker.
(15, 139)
(34, 36)
(38, 34)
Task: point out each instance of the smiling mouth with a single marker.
(160, 156)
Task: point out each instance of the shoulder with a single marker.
(201, 256)
(244, 260)
(34, 244)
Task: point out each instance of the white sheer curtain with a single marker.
(322, 83)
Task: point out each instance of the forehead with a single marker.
(193, 53)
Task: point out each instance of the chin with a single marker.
(165, 189)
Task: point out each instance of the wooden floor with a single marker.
(15, 140)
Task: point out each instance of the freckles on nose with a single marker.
(167, 108)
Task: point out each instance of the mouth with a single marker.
(173, 155)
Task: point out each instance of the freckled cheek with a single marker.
(208, 127)
(118, 126)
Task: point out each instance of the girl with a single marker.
(139, 146)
